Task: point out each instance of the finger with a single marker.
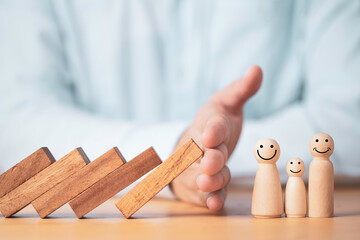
(196, 197)
(214, 159)
(214, 182)
(236, 94)
(215, 132)
(216, 200)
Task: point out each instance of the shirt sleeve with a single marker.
(331, 95)
(37, 107)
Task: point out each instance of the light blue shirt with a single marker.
(133, 73)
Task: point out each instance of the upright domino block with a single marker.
(27, 192)
(114, 182)
(24, 170)
(78, 182)
(159, 178)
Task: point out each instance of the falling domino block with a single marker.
(114, 182)
(23, 195)
(24, 170)
(78, 182)
(159, 178)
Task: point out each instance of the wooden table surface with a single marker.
(168, 219)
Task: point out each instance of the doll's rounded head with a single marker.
(295, 167)
(267, 150)
(321, 145)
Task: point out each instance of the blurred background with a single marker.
(133, 73)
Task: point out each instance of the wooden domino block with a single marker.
(159, 178)
(24, 170)
(114, 182)
(23, 195)
(78, 182)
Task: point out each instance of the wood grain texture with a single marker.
(78, 182)
(164, 218)
(114, 182)
(42, 182)
(25, 169)
(159, 178)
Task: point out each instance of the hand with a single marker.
(216, 129)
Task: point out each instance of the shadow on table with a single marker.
(34, 215)
(347, 214)
(164, 214)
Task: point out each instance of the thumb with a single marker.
(237, 93)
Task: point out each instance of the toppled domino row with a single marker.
(48, 184)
